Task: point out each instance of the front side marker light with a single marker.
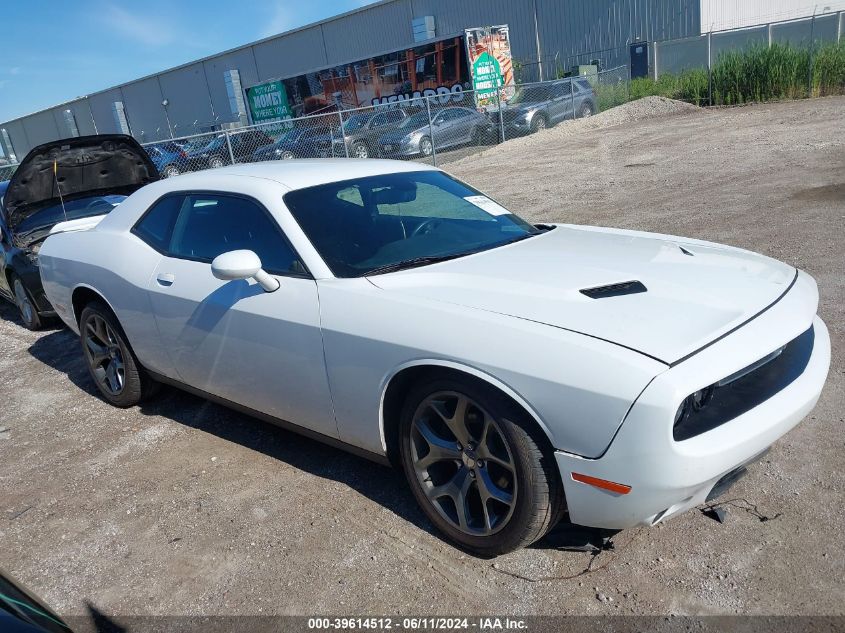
(604, 484)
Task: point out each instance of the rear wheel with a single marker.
(216, 162)
(26, 306)
(477, 468)
(586, 110)
(110, 361)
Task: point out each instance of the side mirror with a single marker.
(243, 265)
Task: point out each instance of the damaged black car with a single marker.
(64, 185)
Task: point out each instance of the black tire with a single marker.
(137, 385)
(25, 303)
(360, 150)
(538, 499)
(586, 110)
(216, 162)
(539, 122)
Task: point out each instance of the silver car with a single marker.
(449, 127)
(538, 106)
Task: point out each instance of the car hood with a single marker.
(694, 292)
(83, 166)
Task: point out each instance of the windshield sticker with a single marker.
(486, 204)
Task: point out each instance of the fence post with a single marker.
(812, 50)
(572, 96)
(342, 133)
(501, 116)
(709, 68)
(655, 60)
(431, 131)
(229, 145)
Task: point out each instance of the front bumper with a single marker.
(667, 477)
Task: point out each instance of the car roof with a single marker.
(299, 174)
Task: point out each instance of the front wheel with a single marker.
(110, 361)
(426, 147)
(170, 171)
(360, 150)
(586, 110)
(539, 122)
(477, 468)
(26, 306)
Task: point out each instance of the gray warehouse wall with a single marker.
(569, 30)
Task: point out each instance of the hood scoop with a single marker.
(615, 290)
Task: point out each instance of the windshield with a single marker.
(357, 122)
(74, 209)
(363, 225)
(418, 120)
(532, 94)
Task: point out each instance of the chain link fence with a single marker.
(434, 130)
(7, 170)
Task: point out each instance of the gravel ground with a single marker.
(183, 507)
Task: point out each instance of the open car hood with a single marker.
(82, 167)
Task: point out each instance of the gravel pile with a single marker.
(641, 109)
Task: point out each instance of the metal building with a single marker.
(547, 36)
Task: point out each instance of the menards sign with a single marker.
(490, 62)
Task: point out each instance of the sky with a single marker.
(53, 51)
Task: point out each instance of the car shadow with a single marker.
(384, 485)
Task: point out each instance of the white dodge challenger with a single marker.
(517, 373)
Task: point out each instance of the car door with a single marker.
(561, 106)
(262, 350)
(464, 124)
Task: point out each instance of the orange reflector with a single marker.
(604, 484)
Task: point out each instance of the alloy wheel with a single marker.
(170, 171)
(425, 147)
(361, 151)
(104, 355)
(25, 306)
(216, 162)
(463, 463)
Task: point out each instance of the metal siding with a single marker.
(361, 35)
(187, 95)
(287, 56)
(17, 133)
(730, 14)
(142, 103)
(214, 70)
(101, 106)
(41, 128)
(603, 29)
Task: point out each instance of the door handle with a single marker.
(165, 279)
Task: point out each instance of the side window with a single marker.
(564, 90)
(393, 117)
(211, 224)
(156, 227)
(378, 120)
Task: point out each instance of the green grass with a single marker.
(761, 73)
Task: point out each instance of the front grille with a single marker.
(742, 391)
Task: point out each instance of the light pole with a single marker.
(164, 105)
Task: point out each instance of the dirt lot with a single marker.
(183, 507)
